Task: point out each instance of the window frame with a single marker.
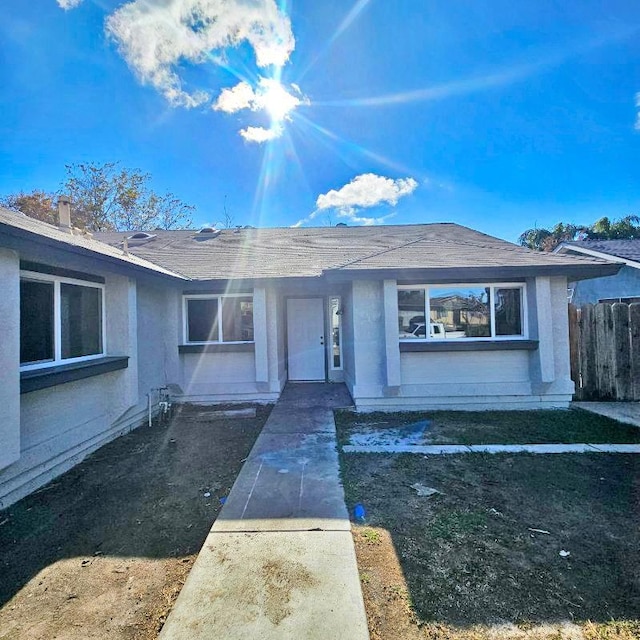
(427, 288)
(57, 319)
(220, 298)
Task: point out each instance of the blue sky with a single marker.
(496, 115)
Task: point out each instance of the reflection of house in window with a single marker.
(466, 312)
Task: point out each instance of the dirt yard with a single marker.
(513, 546)
(103, 551)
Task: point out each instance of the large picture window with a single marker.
(218, 318)
(459, 312)
(61, 320)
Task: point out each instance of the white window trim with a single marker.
(208, 296)
(57, 320)
(493, 285)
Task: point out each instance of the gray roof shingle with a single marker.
(309, 252)
(15, 221)
(626, 249)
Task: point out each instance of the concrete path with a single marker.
(444, 449)
(279, 561)
(628, 412)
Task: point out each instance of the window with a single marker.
(218, 318)
(456, 312)
(61, 320)
(335, 310)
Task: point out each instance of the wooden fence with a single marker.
(605, 351)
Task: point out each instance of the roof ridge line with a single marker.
(378, 253)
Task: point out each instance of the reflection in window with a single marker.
(508, 312)
(411, 318)
(336, 313)
(60, 320)
(237, 319)
(36, 321)
(460, 313)
(219, 319)
(81, 320)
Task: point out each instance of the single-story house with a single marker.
(623, 287)
(92, 325)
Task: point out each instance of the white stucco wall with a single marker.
(9, 358)
(61, 425)
(387, 379)
(158, 337)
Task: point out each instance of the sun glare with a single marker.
(276, 100)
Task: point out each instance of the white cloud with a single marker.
(260, 134)
(366, 190)
(156, 36)
(363, 192)
(236, 98)
(68, 4)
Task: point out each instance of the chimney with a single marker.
(64, 214)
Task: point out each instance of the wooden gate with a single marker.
(605, 351)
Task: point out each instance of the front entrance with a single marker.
(305, 339)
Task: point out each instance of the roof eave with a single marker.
(476, 274)
(565, 248)
(18, 236)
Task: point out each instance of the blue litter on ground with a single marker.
(223, 500)
(359, 512)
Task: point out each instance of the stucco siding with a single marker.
(459, 369)
(62, 424)
(157, 340)
(626, 284)
(9, 358)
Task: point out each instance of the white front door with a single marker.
(305, 338)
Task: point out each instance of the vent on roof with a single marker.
(142, 235)
(206, 233)
(136, 239)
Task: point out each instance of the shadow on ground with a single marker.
(143, 495)
(486, 551)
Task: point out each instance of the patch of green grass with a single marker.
(370, 535)
(455, 524)
(473, 557)
(494, 427)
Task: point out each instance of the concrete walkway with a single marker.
(279, 561)
(448, 449)
(628, 412)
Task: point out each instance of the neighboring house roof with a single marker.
(626, 251)
(17, 227)
(446, 250)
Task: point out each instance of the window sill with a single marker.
(471, 345)
(220, 347)
(46, 377)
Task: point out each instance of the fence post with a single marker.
(621, 352)
(604, 350)
(587, 352)
(634, 365)
(574, 349)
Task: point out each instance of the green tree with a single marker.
(627, 228)
(37, 204)
(548, 240)
(107, 197)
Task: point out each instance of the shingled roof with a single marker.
(623, 249)
(19, 227)
(445, 250)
